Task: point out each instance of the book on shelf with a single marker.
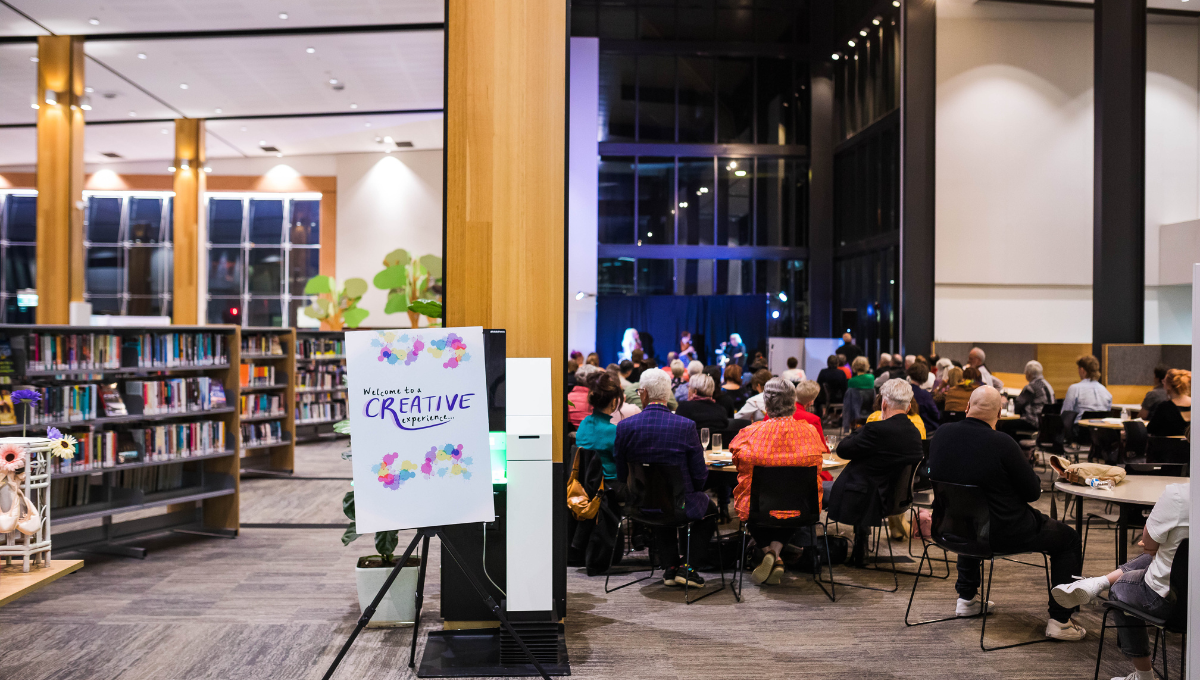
(60, 404)
(175, 350)
(254, 405)
(318, 407)
(252, 375)
(216, 394)
(321, 376)
(311, 348)
(262, 344)
(8, 416)
(166, 442)
(111, 398)
(69, 351)
(109, 351)
(270, 432)
(176, 395)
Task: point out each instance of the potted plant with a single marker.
(399, 606)
(407, 280)
(334, 309)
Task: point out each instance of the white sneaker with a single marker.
(1138, 675)
(1069, 631)
(972, 607)
(1080, 592)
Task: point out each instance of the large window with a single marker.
(262, 250)
(128, 252)
(18, 255)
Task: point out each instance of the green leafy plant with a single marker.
(385, 541)
(410, 281)
(336, 310)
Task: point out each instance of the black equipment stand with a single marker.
(423, 536)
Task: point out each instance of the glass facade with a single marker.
(18, 254)
(129, 259)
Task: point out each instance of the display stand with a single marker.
(36, 487)
(423, 536)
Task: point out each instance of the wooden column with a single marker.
(60, 264)
(506, 176)
(918, 105)
(189, 188)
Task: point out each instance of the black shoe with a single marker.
(690, 577)
(670, 577)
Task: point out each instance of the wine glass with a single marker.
(716, 442)
(704, 437)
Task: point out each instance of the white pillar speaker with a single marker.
(529, 426)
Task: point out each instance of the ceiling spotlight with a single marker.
(836, 56)
(207, 169)
(875, 21)
(216, 110)
(863, 32)
(170, 168)
(850, 43)
(683, 204)
(354, 106)
(732, 164)
(740, 173)
(895, 3)
(133, 114)
(782, 296)
(89, 90)
(33, 102)
(262, 143)
(279, 155)
(366, 125)
(388, 140)
(94, 21)
(333, 81)
(183, 86)
(775, 314)
(33, 59)
(165, 131)
(310, 50)
(243, 128)
(283, 15)
(85, 103)
(141, 55)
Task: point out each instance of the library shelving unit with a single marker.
(320, 383)
(152, 432)
(267, 441)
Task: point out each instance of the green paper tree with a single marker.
(408, 281)
(336, 310)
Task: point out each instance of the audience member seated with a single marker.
(848, 349)
(594, 359)
(877, 452)
(862, 380)
(1172, 417)
(885, 364)
(778, 441)
(844, 366)
(806, 394)
(940, 368)
(597, 432)
(579, 408)
(572, 366)
(913, 414)
(658, 436)
(1087, 394)
(1035, 396)
(895, 370)
(638, 358)
(694, 368)
(958, 395)
(1155, 396)
(972, 452)
(754, 410)
(832, 380)
(732, 396)
(976, 359)
(626, 368)
(1144, 582)
(700, 407)
(918, 375)
(631, 395)
(793, 374)
(678, 379)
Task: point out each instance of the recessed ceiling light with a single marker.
(262, 143)
(183, 86)
(333, 81)
(216, 110)
(875, 21)
(243, 128)
(133, 114)
(850, 43)
(310, 50)
(165, 131)
(863, 32)
(836, 56)
(33, 59)
(366, 125)
(354, 106)
(895, 3)
(141, 55)
(283, 15)
(94, 21)
(279, 155)
(89, 90)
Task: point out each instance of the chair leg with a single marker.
(687, 565)
(741, 569)
(913, 594)
(608, 573)
(987, 595)
(816, 574)
(1100, 648)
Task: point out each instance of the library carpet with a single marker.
(278, 602)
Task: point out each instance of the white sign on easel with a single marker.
(419, 428)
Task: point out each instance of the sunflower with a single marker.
(12, 457)
(63, 447)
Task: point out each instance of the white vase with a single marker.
(399, 606)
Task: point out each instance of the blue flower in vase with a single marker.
(26, 396)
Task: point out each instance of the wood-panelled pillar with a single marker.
(60, 265)
(506, 176)
(189, 190)
(918, 105)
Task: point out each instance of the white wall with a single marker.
(1014, 171)
(582, 189)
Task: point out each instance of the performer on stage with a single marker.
(735, 351)
(630, 342)
(687, 351)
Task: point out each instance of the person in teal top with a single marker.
(862, 379)
(597, 432)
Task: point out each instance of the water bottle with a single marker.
(1124, 413)
(1097, 483)
(1012, 406)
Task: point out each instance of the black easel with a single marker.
(423, 536)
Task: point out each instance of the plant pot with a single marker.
(399, 606)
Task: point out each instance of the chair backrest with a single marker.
(1050, 434)
(656, 494)
(1158, 469)
(953, 416)
(900, 496)
(962, 519)
(921, 475)
(1177, 621)
(1167, 450)
(735, 426)
(1052, 409)
(1135, 438)
(1088, 415)
(786, 489)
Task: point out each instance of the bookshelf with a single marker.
(153, 434)
(266, 364)
(320, 383)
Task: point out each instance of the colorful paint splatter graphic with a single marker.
(448, 460)
(395, 347)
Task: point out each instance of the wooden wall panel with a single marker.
(1058, 364)
(505, 175)
(189, 189)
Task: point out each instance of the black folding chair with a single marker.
(962, 525)
(784, 489)
(655, 496)
(923, 500)
(953, 416)
(1158, 469)
(1176, 622)
(1167, 450)
(1136, 438)
(899, 501)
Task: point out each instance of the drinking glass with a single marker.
(716, 442)
(704, 437)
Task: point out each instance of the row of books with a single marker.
(72, 351)
(319, 409)
(106, 351)
(173, 350)
(76, 491)
(250, 374)
(262, 344)
(270, 432)
(59, 404)
(253, 405)
(177, 395)
(308, 348)
(98, 450)
(322, 376)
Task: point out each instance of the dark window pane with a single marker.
(13, 313)
(225, 310)
(583, 23)
(145, 306)
(615, 199)
(772, 26)
(695, 223)
(776, 102)
(737, 25)
(735, 219)
(655, 277)
(618, 97)
(695, 20)
(150, 270)
(225, 270)
(266, 221)
(656, 23)
(656, 98)
(656, 200)
(618, 23)
(105, 305)
(696, 100)
(103, 219)
(306, 223)
(781, 202)
(615, 276)
(296, 312)
(265, 271)
(694, 277)
(168, 233)
(224, 221)
(145, 220)
(21, 218)
(20, 268)
(735, 100)
(105, 272)
(735, 277)
(264, 312)
(305, 263)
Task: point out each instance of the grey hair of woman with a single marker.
(701, 384)
(1033, 370)
(779, 398)
(584, 371)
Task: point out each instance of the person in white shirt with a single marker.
(975, 358)
(1087, 394)
(1144, 583)
(755, 408)
(793, 374)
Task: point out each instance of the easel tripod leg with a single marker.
(420, 597)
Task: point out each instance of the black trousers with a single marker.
(1057, 539)
(763, 536)
(667, 540)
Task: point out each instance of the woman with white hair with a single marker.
(939, 372)
(778, 441)
(630, 342)
(1036, 396)
(700, 408)
(735, 351)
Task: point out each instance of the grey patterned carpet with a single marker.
(277, 603)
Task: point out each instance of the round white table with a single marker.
(1131, 495)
